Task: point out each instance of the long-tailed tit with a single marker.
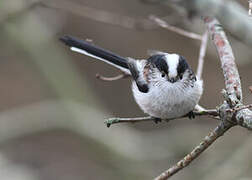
(164, 85)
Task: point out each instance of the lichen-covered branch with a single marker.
(230, 72)
(244, 118)
(232, 94)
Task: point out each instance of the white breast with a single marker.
(168, 100)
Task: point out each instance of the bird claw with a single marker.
(191, 115)
(157, 120)
(111, 121)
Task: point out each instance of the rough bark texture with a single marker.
(233, 93)
(230, 112)
(230, 72)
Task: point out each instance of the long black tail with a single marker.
(91, 50)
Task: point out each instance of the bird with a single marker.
(163, 85)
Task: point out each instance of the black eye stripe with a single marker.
(182, 66)
(159, 61)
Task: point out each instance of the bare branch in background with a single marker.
(237, 22)
(18, 11)
(103, 16)
(202, 54)
(230, 14)
(182, 32)
(203, 39)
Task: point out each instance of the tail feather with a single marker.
(93, 51)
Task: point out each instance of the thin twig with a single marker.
(103, 16)
(120, 76)
(182, 32)
(240, 108)
(115, 120)
(208, 140)
(211, 112)
(188, 34)
(202, 54)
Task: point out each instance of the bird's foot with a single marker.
(157, 120)
(111, 121)
(191, 115)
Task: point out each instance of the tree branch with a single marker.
(233, 94)
(203, 38)
(240, 108)
(182, 32)
(202, 54)
(231, 14)
(244, 118)
(233, 97)
(211, 112)
(100, 15)
(207, 141)
(230, 72)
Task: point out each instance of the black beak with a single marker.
(172, 80)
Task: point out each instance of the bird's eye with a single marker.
(163, 74)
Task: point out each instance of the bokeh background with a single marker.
(52, 107)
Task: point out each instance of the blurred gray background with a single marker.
(53, 107)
